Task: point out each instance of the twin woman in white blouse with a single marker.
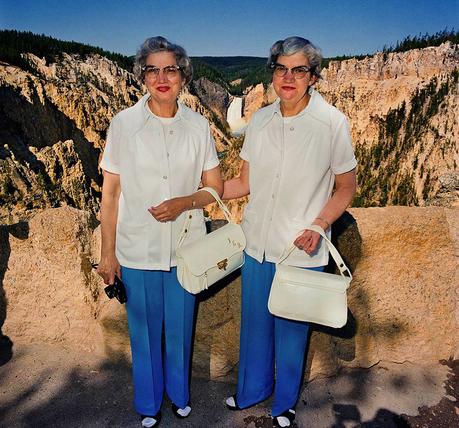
(299, 169)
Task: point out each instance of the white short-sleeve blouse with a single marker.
(293, 164)
(156, 161)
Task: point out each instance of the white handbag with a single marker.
(202, 263)
(305, 295)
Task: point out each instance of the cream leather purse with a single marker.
(306, 295)
(202, 263)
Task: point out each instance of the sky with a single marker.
(229, 28)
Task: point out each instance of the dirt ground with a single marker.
(52, 386)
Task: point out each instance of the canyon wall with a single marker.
(403, 110)
(53, 123)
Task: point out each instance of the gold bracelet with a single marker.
(324, 220)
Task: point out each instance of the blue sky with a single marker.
(226, 28)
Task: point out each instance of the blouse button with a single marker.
(292, 128)
(171, 132)
(165, 177)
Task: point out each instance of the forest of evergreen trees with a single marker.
(222, 70)
(424, 40)
(251, 70)
(203, 69)
(13, 43)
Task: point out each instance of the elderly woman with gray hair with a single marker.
(157, 154)
(299, 169)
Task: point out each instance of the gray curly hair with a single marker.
(160, 44)
(292, 45)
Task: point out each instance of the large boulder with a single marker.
(402, 301)
(51, 294)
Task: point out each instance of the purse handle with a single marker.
(222, 206)
(333, 251)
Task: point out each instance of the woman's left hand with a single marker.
(169, 210)
(308, 241)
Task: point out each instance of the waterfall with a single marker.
(234, 116)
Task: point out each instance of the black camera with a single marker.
(117, 290)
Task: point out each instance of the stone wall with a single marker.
(402, 302)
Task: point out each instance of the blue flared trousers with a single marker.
(267, 340)
(154, 298)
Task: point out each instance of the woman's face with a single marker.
(164, 87)
(289, 89)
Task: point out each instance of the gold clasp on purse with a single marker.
(222, 264)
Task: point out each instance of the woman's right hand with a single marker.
(108, 268)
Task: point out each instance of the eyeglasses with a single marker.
(298, 72)
(152, 72)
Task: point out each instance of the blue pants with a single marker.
(266, 338)
(155, 297)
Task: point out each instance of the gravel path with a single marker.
(51, 386)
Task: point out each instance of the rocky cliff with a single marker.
(403, 110)
(53, 121)
(256, 97)
(54, 118)
(212, 95)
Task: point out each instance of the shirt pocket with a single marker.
(131, 242)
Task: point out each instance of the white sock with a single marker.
(284, 421)
(148, 422)
(230, 401)
(185, 411)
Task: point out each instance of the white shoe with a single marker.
(181, 413)
(231, 403)
(285, 419)
(150, 421)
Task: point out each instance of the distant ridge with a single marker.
(250, 70)
(232, 61)
(424, 40)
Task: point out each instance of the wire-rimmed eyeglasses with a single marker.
(298, 72)
(152, 72)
